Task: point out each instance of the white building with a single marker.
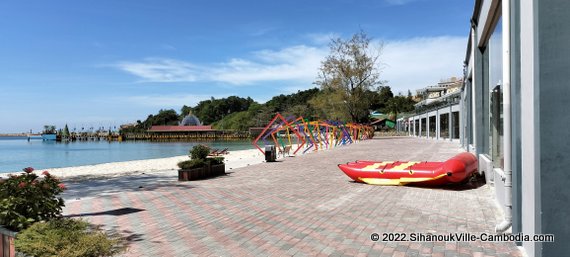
(513, 114)
(437, 114)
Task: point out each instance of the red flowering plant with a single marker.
(28, 198)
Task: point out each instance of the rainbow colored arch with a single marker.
(310, 135)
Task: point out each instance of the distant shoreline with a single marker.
(14, 135)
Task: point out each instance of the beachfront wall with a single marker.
(525, 43)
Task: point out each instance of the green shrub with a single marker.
(66, 237)
(27, 198)
(199, 152)
(216, 160)
(191, 164)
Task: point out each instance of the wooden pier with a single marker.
(188, 136)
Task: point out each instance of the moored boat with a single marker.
(455, 170)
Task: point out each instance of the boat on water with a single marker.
(397, 173)
(49, 136)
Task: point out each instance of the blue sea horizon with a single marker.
(17, 153)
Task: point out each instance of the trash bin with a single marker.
(270, 153)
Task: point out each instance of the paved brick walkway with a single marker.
(302, 206)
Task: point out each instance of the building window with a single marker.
(496, 95)
(444, 125)
(432, 127)
(423, 128)
(417, 127)
(455, 120)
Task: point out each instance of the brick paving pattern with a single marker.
(300, 206)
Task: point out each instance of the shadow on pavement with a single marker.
(472, 183)
(103, 186)
(126, 237)
(116, 212)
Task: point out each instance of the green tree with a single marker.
(240, 121)
(293, 104)
(213, 110)
(399, 104)
(49, 129)
(185, 110)
(352, 68)
(330, 105)
(65, 131)
(384, 95)
(166, 117)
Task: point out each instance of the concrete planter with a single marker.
(7, 247)
(201, 173)
(191, 174)
(218, 170)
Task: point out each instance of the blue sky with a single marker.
(108, 62)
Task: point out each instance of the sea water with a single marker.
(17, 152)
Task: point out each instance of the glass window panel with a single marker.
(496, 95)
(424, 127)
(444, 125)
(432, 127)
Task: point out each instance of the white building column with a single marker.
(530, 129)
(437, 125)
(427, 125)
(474, 84)
(419, 126)
(450, 123)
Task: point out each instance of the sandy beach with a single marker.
(233, 160)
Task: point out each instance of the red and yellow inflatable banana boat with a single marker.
(457, 169)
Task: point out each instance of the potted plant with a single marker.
(191, 170)
(200, 166)
(195, 168)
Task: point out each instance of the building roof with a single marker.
(180, 128)
(377, 121)
(190, 120)
(441, 92)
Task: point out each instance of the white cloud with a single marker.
(420, 62)
(296, 63)
(322, 38)
(407, 64)
(160, 70)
